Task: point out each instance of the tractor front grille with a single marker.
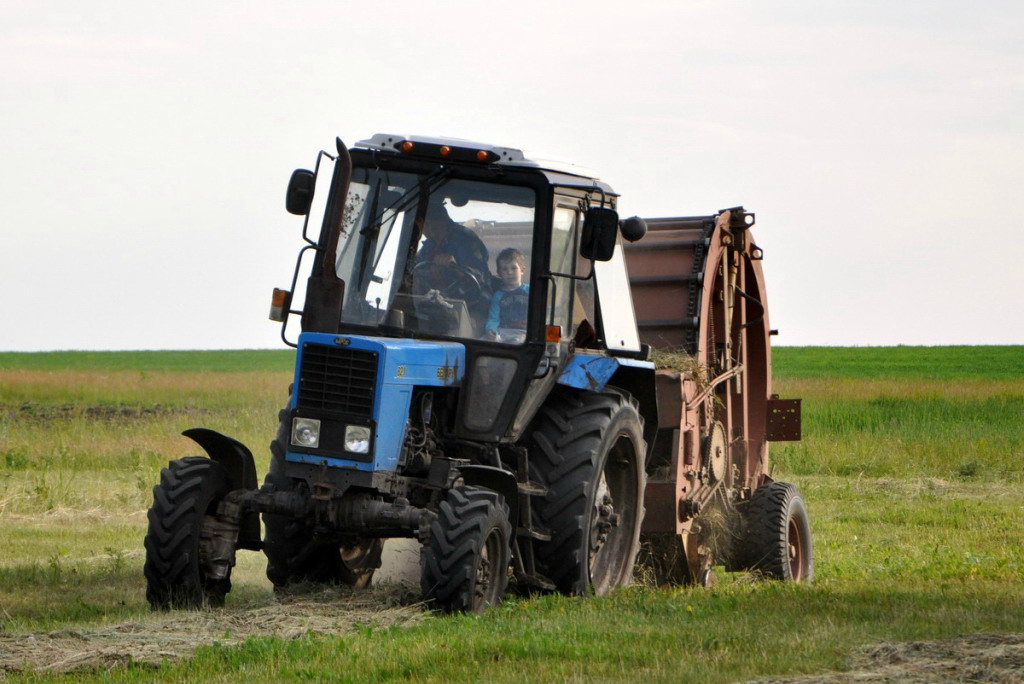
(337, 380)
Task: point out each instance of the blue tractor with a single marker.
(469, 374)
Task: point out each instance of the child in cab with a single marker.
(506, 319)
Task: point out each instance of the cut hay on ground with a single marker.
(176, 634)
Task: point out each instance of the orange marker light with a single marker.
(279, 304)
(445, 150)
(407, 146)
(553, 333)
(481, 155)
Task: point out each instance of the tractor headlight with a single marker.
(306, 432)
(357, 439)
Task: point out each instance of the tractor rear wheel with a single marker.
(777, 541)
(295, 556)
(185, 500)
(465, 565)
(588, 451)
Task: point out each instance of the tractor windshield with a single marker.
(428, 254)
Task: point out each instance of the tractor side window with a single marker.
(617, 315)
(564, 238)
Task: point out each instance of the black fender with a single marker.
(233, 455)
(498, 480)
(640, 383)
(240, 467)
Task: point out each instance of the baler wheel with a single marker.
(465, 565)
(777, 541)
(588, 451)
(187, 496)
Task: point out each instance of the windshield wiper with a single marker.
(371, 233)
(407, 199)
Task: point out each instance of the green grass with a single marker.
(720, 635)
(120, 422)
(978, 435)
(191, 361)
(680, 635)
(946, 412)
(940, 363)
(912, 466)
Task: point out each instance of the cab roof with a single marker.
(457, 149)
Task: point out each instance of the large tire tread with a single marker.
(458, 536)
(569, 432)
(189, 489)
(773, 515)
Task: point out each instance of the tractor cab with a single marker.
(510, 258)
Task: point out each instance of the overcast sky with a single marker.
(147, 147)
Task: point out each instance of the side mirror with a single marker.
(633, 228)
(300, 192)
(600, 227)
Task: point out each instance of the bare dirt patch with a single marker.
(966, 658)
(176, 634)
(49, 413)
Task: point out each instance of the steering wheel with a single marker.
(452, 281)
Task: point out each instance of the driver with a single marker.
(452, 263)
(450, 243)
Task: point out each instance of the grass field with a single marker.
(912, 465)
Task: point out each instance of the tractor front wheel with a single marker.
(465, 565)
(177, 573)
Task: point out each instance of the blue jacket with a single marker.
(509, 309)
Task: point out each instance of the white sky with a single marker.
(147, 147)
